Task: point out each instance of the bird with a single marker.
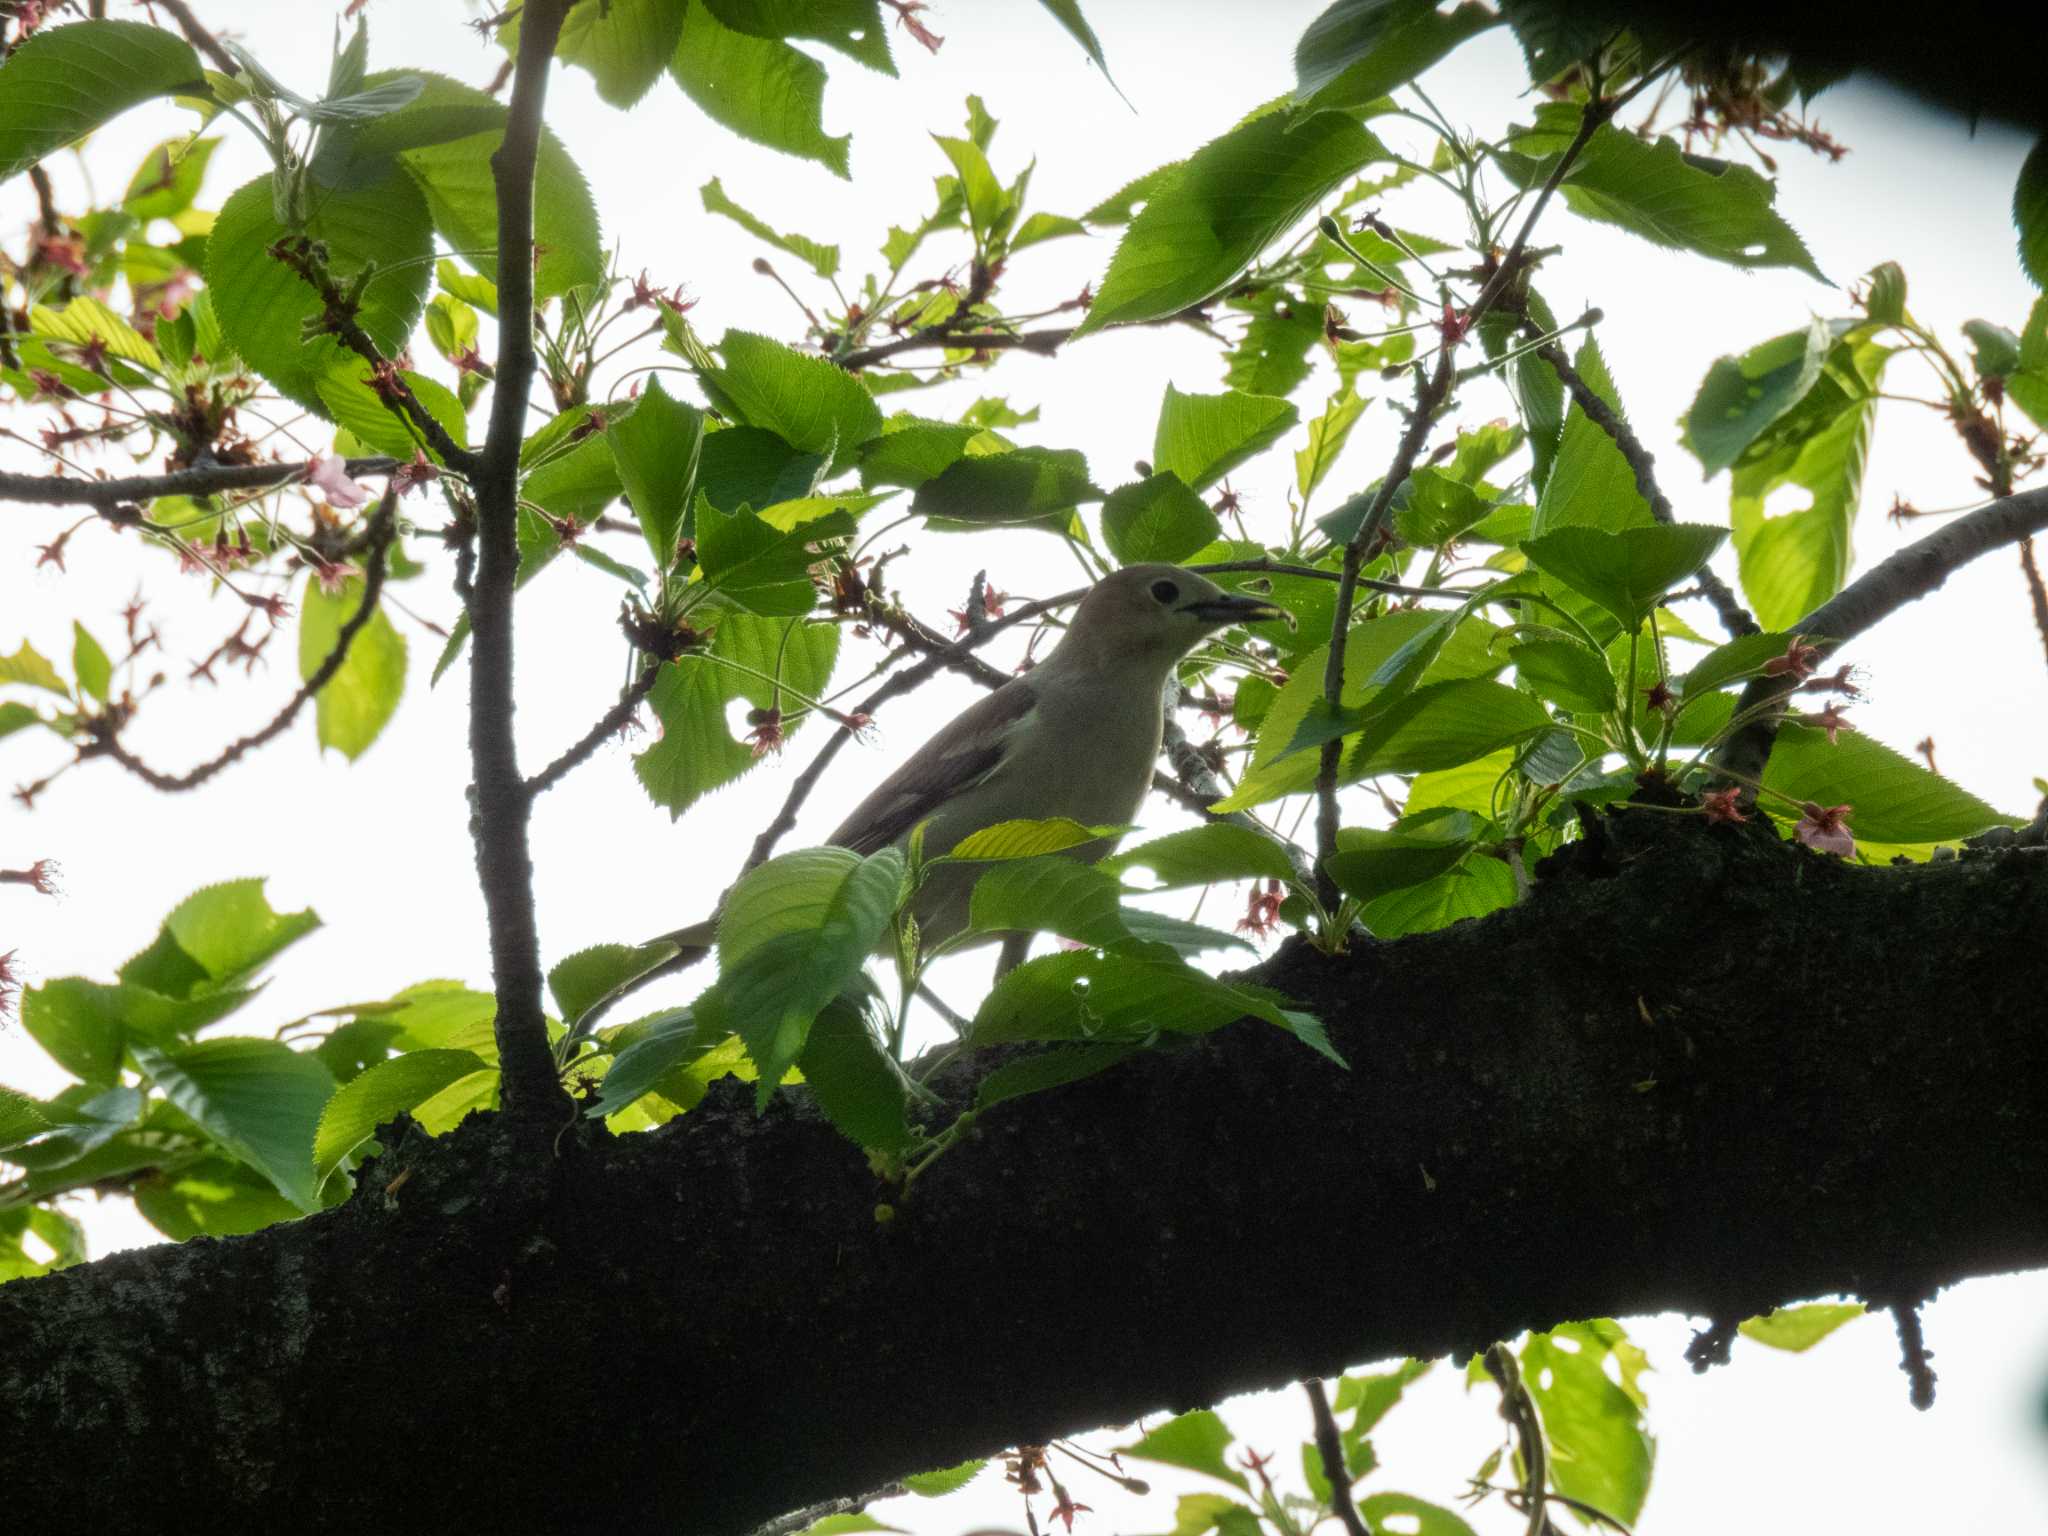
(1075, 737)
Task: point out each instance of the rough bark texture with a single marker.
(1699, 1070)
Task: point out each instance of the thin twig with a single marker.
(1519, 1409)
(1876, 595)
(1044, 343)
(205, 480)
(199, 37)
(2037, 593)
(1330, 1447)
(1735, 618)
(106, 743)
(502, 806)
(609, 724)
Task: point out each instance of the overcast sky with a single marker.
(380, 848)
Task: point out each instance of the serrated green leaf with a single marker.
(21, 1118)
(214, 1197)
(1204, 855)
(1652, 189)
(1016, 487)
(932, 1485)
(656, 449)
(1432, 508)
(1798, 1329)
(807, 402)
(2029, 212)
(1417, 1516)
(853, 27)
(84, 320)
(821, 259)
(1158, 519)
(1370, 862)
(29, 667)
(1068, 14)
(1627, 572)
(1195, 1441)
(909, 452)
(1212, 216)
(580, 981)
(263, 305)
(381, 1093)
(1024, 840)
(624, 45)
(1273, 358)
(759, 87)
(855, 1083)
(1049, 895)
(1201, 438)
(1327, 435)
(1473, 889)
(1360, 50)
(1742, 657)
(1741, 396)
(353, 405)
(85, 1120)
(1567, 673)
(85, 1025)
(217, 937)
(1894, 799)
(61, 83)
(361, 697)
(259, 1099)
(1601, 1449)
(1588, 483)
(1441, 725)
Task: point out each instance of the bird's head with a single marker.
(1157, 611)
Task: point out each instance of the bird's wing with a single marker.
(963, 754)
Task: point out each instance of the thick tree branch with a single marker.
(502, 806)
(104, 730)
(1573, 1108)
(205, 480)
(1876, 595)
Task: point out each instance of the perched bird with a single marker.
(1076, 736)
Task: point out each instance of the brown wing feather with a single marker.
(964, 752)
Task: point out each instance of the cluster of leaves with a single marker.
(1513, 658)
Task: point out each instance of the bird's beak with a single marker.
(1230, 608)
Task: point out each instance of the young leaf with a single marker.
(1567, 673)
(1741, 396)
(1202, 438)
(854, 27)
(821, 259)
(2029, 212)
(807, 402)
(1196, 1441)
(656, 449)
(61, 83)
(624, 45)
(1588, 482)
(1049, 895)
(259, 1099)
(217, 937)
(759, 87)
(760, 568)
(382, 1093)
(358, 409)
(1744, 656)
(932, 1485)
(1015, 487)
(1068, 14)
(1025, 840)
(1441, 725)
(582, 980)
(89, 663)
(1432, 508)
(1627, 573)
(1602, 1450)
(1360, 50)
(1797, 1329)
(32, 669)
(214, 1197)
(1212, 217)
(1371, 862)
(1327, 435)
(1157, 519)
(361, 697)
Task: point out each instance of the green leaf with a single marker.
(1025, 840)
(1588, 483)
(1441, 725)
(854, 27)
(85, 1025)
(909, 452)
(1601, 1451)
(263, 305)
(1123, 205)
(821, 259)
(1567, 673)
(1360, 50)
(454, 173)
(656, 449)
(932, 1485)
(86, 319)
(1371, 862)
(811, 405)
(762, 569)
(1195, 1441)
(217, 937)
(458, 1101)
(1995, 350)
(1473, 889)
(671, 1044)
(2029, 211)
(1049, 895)
(357, 408)
(167, 182)
(1273, 356)
(89, 663)
(51, 1227)
(466, 286)
(1798, 1329)
(1202, 438)
(1895, 800)
(27, 666)
(1204, 855)
(1212, 217)
(1157, 519)
(85, 1120)
(624, 45)
(214, 1197)
(1015, 487)
(1742, 657)
(21, 1118)
(1068, 14)
(1432, 508)
(1741, 396)
(795, 933)
(1652, 189)
(1049, 1069)
(697, 752)
(854, 1081)
(257, 1098)
(759, 87)
(1627, 573)
(1417, 1516)
(1327, 435)
(586, 978)
(987, 203)
(381, 1093)
(361, 697)
(61, 83)
(1040, 227)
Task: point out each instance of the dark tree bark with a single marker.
(1699, 1070)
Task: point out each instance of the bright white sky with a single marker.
(380, 847)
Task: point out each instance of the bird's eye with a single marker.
(1165, 591)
